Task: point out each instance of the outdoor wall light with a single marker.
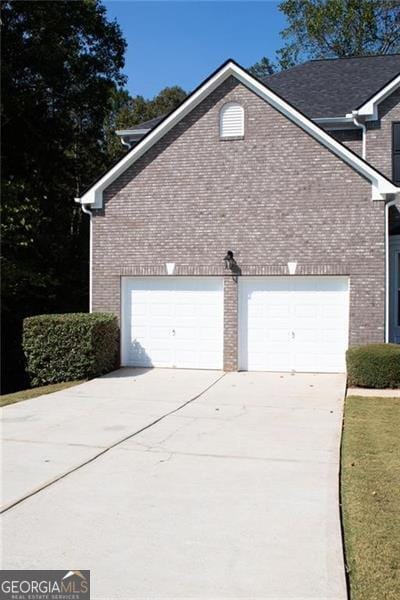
(232, 266)
(229, 261)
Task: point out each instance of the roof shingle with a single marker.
(334, 87)
(327, 87)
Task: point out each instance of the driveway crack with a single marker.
(110, 447)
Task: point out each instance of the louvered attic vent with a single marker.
(231, 121)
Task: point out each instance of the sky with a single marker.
(183, 42)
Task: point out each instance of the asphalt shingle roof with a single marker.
(150, 124)
(334, 87)
(327, 87)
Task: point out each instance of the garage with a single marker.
(293, 323)
(172, 322)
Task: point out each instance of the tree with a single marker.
(262, 68)
(128, 112)
(338, 28)
(61, 69)
(168, 99)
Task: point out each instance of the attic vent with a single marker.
(231, 120)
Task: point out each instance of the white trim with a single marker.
(170, 266)
(387, 270)
(370, 108)
(288, 284)
(88, 212)
(231, 120)
(380, 185)
(132, 132)
(334, 122)
(207, 352)
(394, 284)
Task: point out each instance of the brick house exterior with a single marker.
(273, 196)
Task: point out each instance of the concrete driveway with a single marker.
(180, 484)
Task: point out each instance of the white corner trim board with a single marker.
(380, 185)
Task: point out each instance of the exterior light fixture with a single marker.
(229, 261)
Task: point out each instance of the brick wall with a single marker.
(352, 138)
(275, 196)
(379, 135)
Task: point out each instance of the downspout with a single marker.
(125, 143)
(387, 269)
(363, 128)
(89, 212)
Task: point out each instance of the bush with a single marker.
(70, 346)
(374, 366)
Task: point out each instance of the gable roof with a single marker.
(145, 126)
(324, 89)
(380, 184)
(335, 87)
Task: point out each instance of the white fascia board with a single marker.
(94, 194)
(131, 132)
(381, 185)
(324, 120)
(369, 110)
(336, 123)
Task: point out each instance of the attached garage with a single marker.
(172, 322)
(293, 323)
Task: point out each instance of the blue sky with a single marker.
(182, 42)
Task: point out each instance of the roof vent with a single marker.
(231, 120)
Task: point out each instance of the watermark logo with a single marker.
(44, 585)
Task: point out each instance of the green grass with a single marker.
(370, 486)
(33, 392)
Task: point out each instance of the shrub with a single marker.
(374, 366)
(70, 346)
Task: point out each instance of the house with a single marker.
(298, 176)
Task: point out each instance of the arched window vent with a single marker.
(231, 121)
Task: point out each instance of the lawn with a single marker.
(370, 484)
(33, 392)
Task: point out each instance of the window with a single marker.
(396, 153)
(231, 121)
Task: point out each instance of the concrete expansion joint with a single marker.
(159, 450)
(46, 442)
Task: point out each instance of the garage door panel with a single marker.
(332, 336)
(277, 311)
(307, 336)
(293, 323)
(165, 318)
(305, 310)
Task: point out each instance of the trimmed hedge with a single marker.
(374, 366)
(70, 346)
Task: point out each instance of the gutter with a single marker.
(89, 212)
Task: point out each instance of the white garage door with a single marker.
(172, 322)
(293, 323)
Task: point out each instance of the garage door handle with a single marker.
(173, 332)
